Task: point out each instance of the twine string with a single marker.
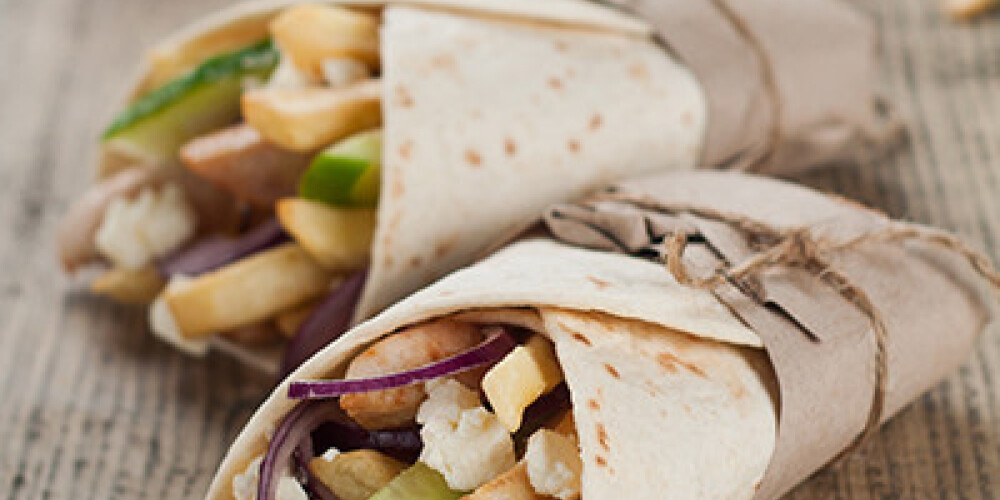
(799, 248)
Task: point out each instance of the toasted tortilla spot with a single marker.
(596, 121)
(577, 336)
(638, 71)
(573, 145)
(601, 461)
(555, 83)
(416, 261)
(593, 404)
(670, 362)
(398, 189)
(474, 158)
(667, 363)
(614, 373)
(445, 246)
(561, 46)
(602, 437)
(599, 283)
(403, 97)
(509, 146)
(445, 61)
(405, 149)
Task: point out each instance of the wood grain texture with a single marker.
(92, 407)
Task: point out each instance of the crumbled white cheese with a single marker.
(341, 71)
(462, 440)
(245, 485)
(163, 325)
(554, 465)
(330, 454)
(135, 231)
(288, 76)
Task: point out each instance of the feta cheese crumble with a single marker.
(245, 485)
(135, 231)
(462, 440)
(164, 326)
(554, 465)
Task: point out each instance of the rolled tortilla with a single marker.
(470, 156)
(672, 388)
(462, 142)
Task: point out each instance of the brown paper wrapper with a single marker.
(790, 84)
(840, 274)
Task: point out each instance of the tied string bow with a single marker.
(800, 247)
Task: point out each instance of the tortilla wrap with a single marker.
(462, 143)
(672, 389)
(601, 94)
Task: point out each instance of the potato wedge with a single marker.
(308, 119)
(511, 485)
(288, 322)
(140, 286)
(529, 371)
(339, 238)
(260, 334)
(247, 291)
(310, 34)
(357, 475)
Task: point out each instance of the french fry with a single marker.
(529, 371)
(247, 291)
(288, 322)
(130, 286)
(260, 334)
(339, 238)
(963, 10)
(305, 120)
(310, 34)
(356, 475)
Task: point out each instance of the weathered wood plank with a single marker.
(94, 408)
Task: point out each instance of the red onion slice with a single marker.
(294, 430)
(216, 252)
(544, 409)
(497, 344)
(403, 444)
(327, 323)
(314, 487)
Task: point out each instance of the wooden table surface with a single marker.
(92, 407)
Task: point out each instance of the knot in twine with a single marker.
(799, 247)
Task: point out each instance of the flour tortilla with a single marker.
(671, 390)
(494, 109)
(692, 389)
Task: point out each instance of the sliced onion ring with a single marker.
(325, 324)
(497, 344)
(295, 429)
(315, 488)
(216, 252)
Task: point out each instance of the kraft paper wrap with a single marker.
(789, 84)
(823, 346)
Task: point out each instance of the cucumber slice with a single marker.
(347, 173)
(154, 127)
(419, 482)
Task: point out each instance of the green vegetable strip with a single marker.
(256, 60)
